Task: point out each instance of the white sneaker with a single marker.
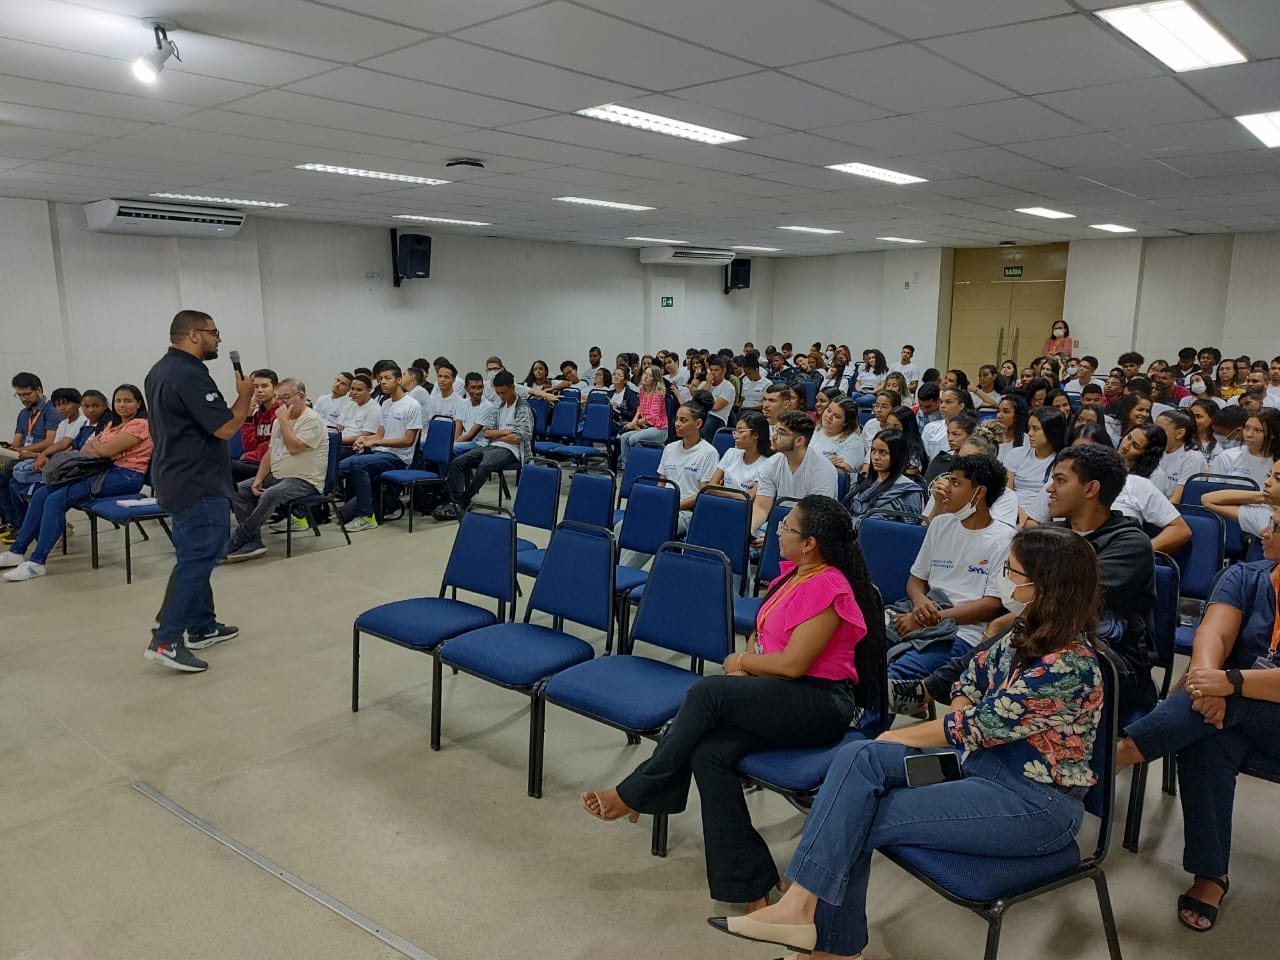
(25, 571)
(299, 525)
(360, 523)
(11, 559)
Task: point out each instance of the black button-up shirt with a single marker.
(184, 408)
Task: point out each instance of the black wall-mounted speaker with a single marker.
(413, 258)
(739, 275)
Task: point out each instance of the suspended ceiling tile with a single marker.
(898, 136)
(1110, 106)
(438, 16)
(931, 18)
(1005, 121)
(782, 100)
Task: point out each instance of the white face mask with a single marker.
(1007, 588)
(1071, 371)
(1058, 332)
(968, 510)
(1198, 387)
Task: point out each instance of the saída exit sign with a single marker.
(1012, 272)
(671, 301)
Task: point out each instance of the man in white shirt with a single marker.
(473, 413)
(294, 466)
(333, 405)
(1252, 509)
(677, 377)
(569, 379)
(391, 448)
(723, 396)
(593, 365)
(754, 383)
(907, 367)
(934, 434)
(362, 416)
(411, 381)
(1085, 370)
(963, 555)
(445, 400)
(506, 442)
(794, 474)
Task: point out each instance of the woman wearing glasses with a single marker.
(1226, 708)
(794, 687)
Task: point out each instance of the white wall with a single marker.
(1101, 301)
(1183, 297)
(1252, 322)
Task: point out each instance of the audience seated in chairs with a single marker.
(793, 474)
(36, 430)
(294, 466)
(391, 447)
(885, 486)
(74, 431)
(506, 442)
(648, 420)
(255, 435)
(792, 688)
(1224, 709)
(125, 444)
(1025, 713)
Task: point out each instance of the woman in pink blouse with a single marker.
(793, 687)
(126, 442)
(649, 425)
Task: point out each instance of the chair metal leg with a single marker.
(93, 540)
(288, 533)
(537, 741)
(1170, 769)
(410, 507)
(437, 681)
(1137, 796)
(355, 669)
(128, 556)
(333, 507)
(142, 530)
(658, 841)
(632, 740)
(165, 527)
(1108, 916)
(995, 917)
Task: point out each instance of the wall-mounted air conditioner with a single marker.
(147, 219)
(686, 256)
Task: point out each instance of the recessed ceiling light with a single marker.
(757, 249)
(899, 240)
(1264, 126)
(460, 223)
(876, 173)
(370, 174)
(229, 201)
(1046, 213)
(656, 240)
(1112, 228)
(656, 124)
(1174, 33)
(811, 230)
(603, 203)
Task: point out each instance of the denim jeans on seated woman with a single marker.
(47, 512)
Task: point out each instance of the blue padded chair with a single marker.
(575, 583)
(437, 454)
(235, 446)
(1197, 485)
(643, 462)
(985, 415)
(890, 548)
(597, 428)
(810, 392)
(723, 441)
(541, 413)
(590, 502)
(597, 395)
(562, 426)
(746, 608)
(537, 502)
(989, 886)
(638, 695)
(325, 497)
(653, 511)
(111, 510)
(1200, 560)
(864, 417)
(480, 562)
(1165, 617)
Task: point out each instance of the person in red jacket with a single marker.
(255, 435)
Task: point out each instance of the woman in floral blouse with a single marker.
(1024, 715)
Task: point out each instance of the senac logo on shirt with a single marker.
(980, 567)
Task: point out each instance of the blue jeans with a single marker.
(359, 471)
(918, 664)
(199, 533)
(1208, 761)
(11, 505)
(865, 803)
(867, 400)
(47, 513)
(629, 439)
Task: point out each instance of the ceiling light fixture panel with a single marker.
(458, 223)
(1264, 126)
(655, 240)
(1175, 33)
(899, 240)
(1112, 228)
(369, 174)
(877, 173)
(229, 201)
(613, 113)
(822, 230)
(757, 249)
(610, 204)
(1046, 212)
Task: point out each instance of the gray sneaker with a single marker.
(360, 523)
(175, 656)
(254, 548)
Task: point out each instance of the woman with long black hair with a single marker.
(1029, 465)
(886, 485)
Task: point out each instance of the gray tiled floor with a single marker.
(445, 849)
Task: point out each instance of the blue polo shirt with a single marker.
(1248, 588)
(34, 423)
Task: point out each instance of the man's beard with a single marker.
(211, 354)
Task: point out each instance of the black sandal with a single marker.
(1206, 910)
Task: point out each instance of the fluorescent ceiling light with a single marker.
(876, 173)
(603, 203)
(1174, 33)
(1112, 228)
(656, 240)
(370, 174)
(1264, 126)
(1046, 213)
(229, 201)
(811, 230)
(757, 249)
(614, 113)
(460, 223)
(899, 240)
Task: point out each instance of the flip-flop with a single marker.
(633, 816)
(1207, 910)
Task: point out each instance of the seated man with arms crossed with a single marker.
(506, 441)
(473, 413)
(390, 448)
(293, 466)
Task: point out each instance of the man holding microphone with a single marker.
(191, 475)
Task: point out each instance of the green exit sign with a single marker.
(671, 301)
(1013, 272)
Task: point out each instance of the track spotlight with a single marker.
(148, 66)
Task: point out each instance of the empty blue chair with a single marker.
(989, 886)
(235, 446)
(119, 515)
(597, 428)
(689, 586)
(745, 609)
(537, 502)
(575, 583)
(325, 497)
(721, 520)
(562, 426)
(642, 462)
(590, 502)
(1197, 485)
(723, 440)
(1200, 561)
(890, 549)
(480, 562)
(540, 410)
(437, 454)
(653, 510)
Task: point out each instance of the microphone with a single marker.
(235, 363)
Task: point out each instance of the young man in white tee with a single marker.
(677, 377)
(1085, 370)
(723, 396)
(362, 416)
(963, 555)
(907, 367)
(473, 413)
(507, 440)
(593, 364)
(411, 381)
(334, 404)
(754, 383)
(390, 448)
(445, 400)
(794, 474)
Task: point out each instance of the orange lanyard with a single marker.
(772, 603)
(31, 421)
(1275, 625)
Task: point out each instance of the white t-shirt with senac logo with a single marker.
(965, 563)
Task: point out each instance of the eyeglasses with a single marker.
(1272, 528)
(1009, 568)
(780, 433)
(286, 397)
(217, 334)
(784, 526)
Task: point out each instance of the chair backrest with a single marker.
(687, 605)
(564, 417)
(597, 395)
(597, 424)
(1101, 798)
(722, 441)
(871, 660)
(1165, 614)
(650, 520)
(864, 417)
(483, 558)
(1197, 485)
(331, 470)
(985, 415)
(1200, 559)
(437, 446)
(810, 392)
(539, 408)
(590, 497)
(1253, 551)
(576, 580)
(768, 569)
(722, 521)
(890, 549)
(842, 485)
(642, 462)
(537, 501)
(235, 446)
